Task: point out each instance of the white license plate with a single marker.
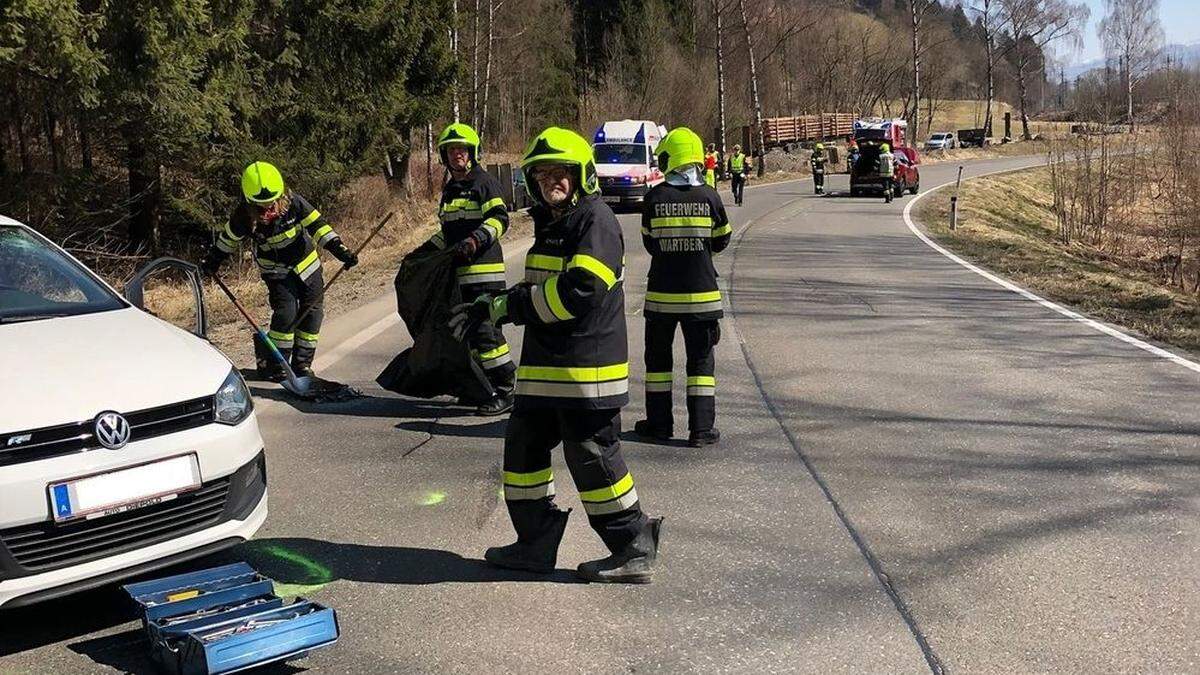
(115, 492)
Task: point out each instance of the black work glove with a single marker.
(469, 316)
(465, 250)
(210, 263)
(339, 251)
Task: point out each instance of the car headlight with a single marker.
(232, 402)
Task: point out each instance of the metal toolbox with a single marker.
(226, 619)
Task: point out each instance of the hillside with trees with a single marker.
(125, 123)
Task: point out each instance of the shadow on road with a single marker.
(492, 429)
(378, 564)
(368, 405)
(62, 619)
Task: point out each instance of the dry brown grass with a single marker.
(1006, 224)
(955, 114)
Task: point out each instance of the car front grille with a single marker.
(27, 446)
(49, 546)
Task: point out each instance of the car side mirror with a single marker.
(135, 288)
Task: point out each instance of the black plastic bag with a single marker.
(436, 364)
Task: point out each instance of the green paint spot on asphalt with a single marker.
(433, 498)
(294, 590)
(313, 575)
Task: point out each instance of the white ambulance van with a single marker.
(625, 162)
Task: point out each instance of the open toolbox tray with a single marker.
(226, 619)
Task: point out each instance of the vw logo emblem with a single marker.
(112, 430)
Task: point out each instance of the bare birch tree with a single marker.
(757, 102)
(1035, 24)
(492, 6)
(917, 10)
(717, 11)
(990, 21)
(1132, 36)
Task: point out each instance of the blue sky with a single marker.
(1180, 20)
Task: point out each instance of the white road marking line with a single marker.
(353, 342)
(1070, 314)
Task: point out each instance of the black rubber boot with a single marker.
(634, 565)
(271, 371)
(498, 405)
(645, 429)
(538, 555)
(698, 439)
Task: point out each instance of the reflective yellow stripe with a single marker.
(461, 204)
(483, 268)
(496, 225)
(311, 337)
(537, 261)
(658, 377)
(493, 203)
(527, 479)
(609, 493)
(556, 304)
(722, 230)
(681, 221)
(594, 266)
(276, 335)
(282, 236)
(491, 354)
(574, 374)
(322, 231)
(307, 262)
(310, 218)
(707, 296)
(702, 381)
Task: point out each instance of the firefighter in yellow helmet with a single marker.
(286, 232)
(683, 226)
(473, 218)
(817, 162)
(739, 169)
(573, 377)
(887, 171)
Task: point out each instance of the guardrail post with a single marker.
(954, 201)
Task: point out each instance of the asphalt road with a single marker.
(919, 470)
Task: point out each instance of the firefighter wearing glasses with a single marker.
(286, 231)
(574, 373)
(473, 219)
(683, 226)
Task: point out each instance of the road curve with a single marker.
(919, 469)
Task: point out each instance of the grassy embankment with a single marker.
(1006, 225)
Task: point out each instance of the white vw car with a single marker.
(126, 443)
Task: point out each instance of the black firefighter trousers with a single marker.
(592, 448)
(699, 338)
(289, 297)
(490, 348)
(737, 183)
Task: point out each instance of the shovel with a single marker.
(300, 386)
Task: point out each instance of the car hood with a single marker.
(57, 371)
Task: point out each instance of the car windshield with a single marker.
(940, 137)
(620, 153)
(38, 282)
